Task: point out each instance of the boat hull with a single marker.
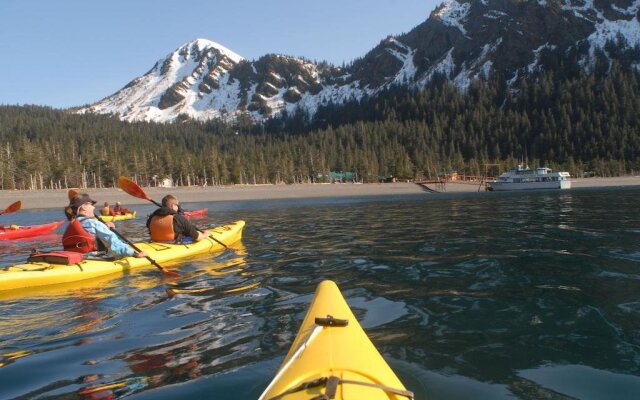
(498, 186)
(343, 352)
(196, 213)
(29, 231)
(40, 274)
(111, 218)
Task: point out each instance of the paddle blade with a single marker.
(12, 208)
(132, 188)
(170, 273)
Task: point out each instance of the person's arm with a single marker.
(202, 235)
(116, 246)
(188, 228)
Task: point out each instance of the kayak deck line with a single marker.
(31, 267)
(331, 384)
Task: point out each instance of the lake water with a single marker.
(524, 295)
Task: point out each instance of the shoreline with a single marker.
(48, 199)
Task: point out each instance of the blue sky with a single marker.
(64, 53)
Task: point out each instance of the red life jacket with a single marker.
(77, 239)
(161, 228)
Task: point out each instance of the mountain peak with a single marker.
(201, 45)
(453, 13)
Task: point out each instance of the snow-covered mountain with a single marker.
(460, 41)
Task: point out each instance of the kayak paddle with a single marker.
(130, 243)
(134, 190)
(72, 193)
(12, 208)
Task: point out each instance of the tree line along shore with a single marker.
(586, 124)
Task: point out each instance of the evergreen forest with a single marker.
(584, 123)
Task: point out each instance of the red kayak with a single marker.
(8, 233)
(196, 213)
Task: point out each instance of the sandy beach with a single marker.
(39, 199)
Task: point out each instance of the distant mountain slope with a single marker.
(460, 41)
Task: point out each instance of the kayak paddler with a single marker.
(118, 210)
(87, 235)
(167, 225)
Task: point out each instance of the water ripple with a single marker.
(484, 296)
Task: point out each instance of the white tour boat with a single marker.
(525, 178)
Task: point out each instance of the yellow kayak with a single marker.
(111, 218)
(332, 357)
(37, 274)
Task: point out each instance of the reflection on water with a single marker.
(490, 296)
(595, 384)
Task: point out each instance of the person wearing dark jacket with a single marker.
(166, 225)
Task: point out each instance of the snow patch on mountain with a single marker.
(445, 67)
(607, 29)
(408, 70)
(611, 30)
(483, 63)
(454, 14)
(535, 65)
(204, 44)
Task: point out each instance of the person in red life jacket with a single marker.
(117, 209)
(85, 234)
(166, 225)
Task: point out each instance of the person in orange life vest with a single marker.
(106, 210)
(85, 234)
(166, 225)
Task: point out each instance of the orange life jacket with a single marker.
(161, 228)
(76, 238)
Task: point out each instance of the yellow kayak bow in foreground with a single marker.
(332, 358)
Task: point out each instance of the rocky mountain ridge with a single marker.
(461, 41)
